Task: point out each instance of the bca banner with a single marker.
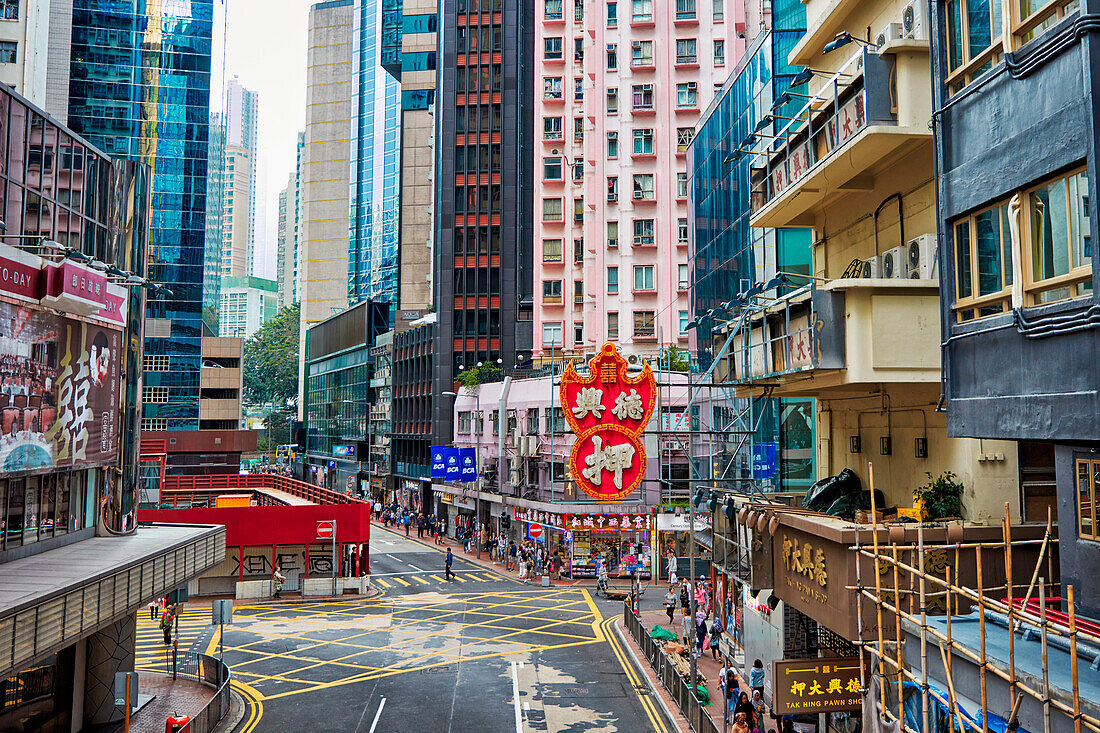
(450, 458)
(467, 457)
(439, 468)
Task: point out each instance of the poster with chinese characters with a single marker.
(816, 685)
(608, 410)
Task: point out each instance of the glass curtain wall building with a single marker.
(375, 162)
(140, 88)
(729, 255)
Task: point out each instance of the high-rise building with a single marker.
(140, 88)
(281, 248)
(290, 231)
(325, 183)
(375, 164)
(33, 44)
(484, 191)
(241, 111)
(247, 303)
(238, 199)
(617, 107)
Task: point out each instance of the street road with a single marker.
(482, 653)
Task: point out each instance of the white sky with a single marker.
(266, 48)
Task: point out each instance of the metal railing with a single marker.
(211, 672)
(190, 488)
(675, 683)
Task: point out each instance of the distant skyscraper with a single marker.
(241, 108)
(238, 199)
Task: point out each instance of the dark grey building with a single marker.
(484, 191)
(1016, 146)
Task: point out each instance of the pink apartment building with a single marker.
(622, 84)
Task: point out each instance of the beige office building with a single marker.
(236, 212)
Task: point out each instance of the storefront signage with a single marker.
(608, 410)
(73, 287)
(20, 274)
(467, 458)
(682, 523)
(816, 685)
(343, 451)
(65, 285)
(619, 522)
(453, 468)
(439, 468)
(59, 391)
(764, 460)
(537, 517)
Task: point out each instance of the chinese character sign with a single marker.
(816, 685)
(608, 410)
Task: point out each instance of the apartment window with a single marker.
(612, 15)
(642, 96)
(719, 52)
(719, 11)
(641, 53)
(478, 422)
(612, 325)
(681, 185)
(465, 422)
(578, 251)
(154, 423)
(641, 11)
(974, 41)
(643, 141)
(9, 9)
(551, 168)
(578, 10)
(1039, 15)
(644, 324)
(985, 289)
(612, 234)
(643, 186)
(578, 89)
(612, 280)
(613, 144)
(644, 231)
(552, 87)
(687, 94)
(552, 9)
(156, 363)
(494, 421)
(551, 291)
(533, 421)
(682, 230)
(154, 394)
(685, 9)
(643, 277)
(613, 101)
(685, 319)
(551, 250)
(683, 280)
(578, 51)
(612, 56)
(578, 129)
(612, 188)
(578, 292)
(684, 136)
(578, 172)
(551, 209)
(578, 334)
(685, 51)
(578, 210)
(552, 128)
(552, 48)
(551, 334)
(7, 52)
(1088, 487)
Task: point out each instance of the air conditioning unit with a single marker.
(612, 243)
(639, 194)
(892, 32)
(634, 363)
(531, 449)
(872, 267)
(893, 263)
(921, 257)
(914, 20)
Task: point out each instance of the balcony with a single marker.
(871, 114)
(847, 332)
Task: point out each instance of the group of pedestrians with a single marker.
(426, 525)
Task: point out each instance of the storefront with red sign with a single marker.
(624, 541)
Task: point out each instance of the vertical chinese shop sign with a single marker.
(608, 410)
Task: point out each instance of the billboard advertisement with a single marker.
(60, 383)
(439, 468)
(468, 459)
(450, 459)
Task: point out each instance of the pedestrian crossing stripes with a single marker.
(406, 580)
(152, 652)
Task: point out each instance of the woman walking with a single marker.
(670, 604)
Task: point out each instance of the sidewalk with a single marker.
(173, 697)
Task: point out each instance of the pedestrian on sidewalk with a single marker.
(700, 632)
(512, 552)
(727, 682)
(450, 559)
(277, 580)
(153, 610)
(759, 708)
(670, 604)
(756, 677)
(685, 599)
(715, 635)
(166, 621)
(671, 566)
(407, 522)
(744, 707)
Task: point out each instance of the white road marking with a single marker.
(377, 715)
(526, 706)
(515, 698)
(414, 567)
(392, 557)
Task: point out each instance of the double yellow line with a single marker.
(250, 694)
(648, 705)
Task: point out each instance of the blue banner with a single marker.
(467, 458)
(764, 460)
(439, 468)
(450, 459)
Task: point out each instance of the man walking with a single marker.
(450, 559)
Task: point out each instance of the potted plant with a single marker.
(941, 497)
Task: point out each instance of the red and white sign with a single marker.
(535, 530)
(73, 287)
(20, 273)
(114, 305)
(326, 529)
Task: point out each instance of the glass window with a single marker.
(1088, 483)
(552, 48)
(641, 53)
(613, 145)
(719, 52)
(682, 185)
(1058, 219)
(641, 11)
(687, 94)
(612, 280)
(551, 250)
(551, 291)
(578, 89)
(612, 15)
(612, 325)
(642, 96)
(578, 50)
(533, 421)
(578, 130)
(552, 88)
(612, 234)
(719, 11)
(64, 499)
(551, 209)
(464, 423)
(643, 141)
(644, 186)
(612, 188)
(578, 291)
(684, 321)
(685, 50)
(8, 52)
(612, 101)
(552, 128)
(685, 9)
(682, 230)
(644, 324)
(551, 334)
(552, 168)
(552, 9)
(578, 210)
(644, 231)
(612, 57)
(13, 534)
(31, 511)
(643, 277)
(683, 280)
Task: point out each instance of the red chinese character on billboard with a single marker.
(608, 410)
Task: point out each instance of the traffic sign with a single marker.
(326, 529)
(535, 530)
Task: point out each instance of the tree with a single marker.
(675, 359)
(271, 360)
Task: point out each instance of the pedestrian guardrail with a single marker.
(675, 683)
(211, 672)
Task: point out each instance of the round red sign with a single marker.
(535, 530)
(325, 530)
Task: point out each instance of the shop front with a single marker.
(624, 541)
(545, 527)
(674, 538)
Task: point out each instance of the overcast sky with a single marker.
(266, 49)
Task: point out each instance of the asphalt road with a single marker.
(479, 654)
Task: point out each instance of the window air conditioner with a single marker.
(893, 263)
(914, 20)
(921, 257)
(872, 267)
(892, 32)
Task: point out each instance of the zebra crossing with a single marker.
(152, 652)
(420, 579)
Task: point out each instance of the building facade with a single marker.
(238, 201)
(617, 103)
(290, 232)
(241, 114)
(484, 190)
(247, 303)
(412, 400)
(70, 395)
